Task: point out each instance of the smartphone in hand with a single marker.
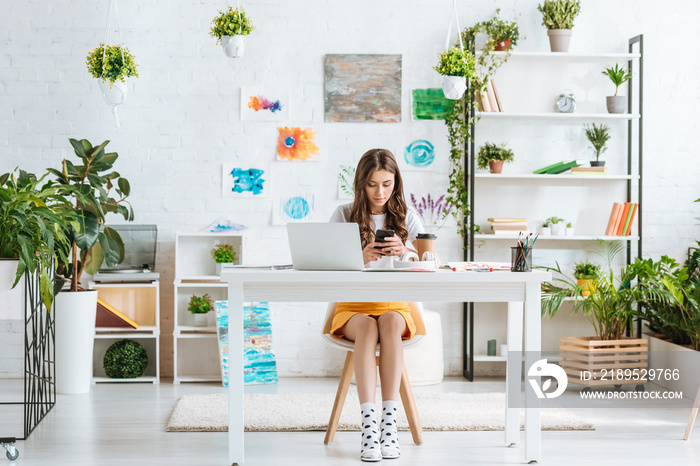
(382, 235)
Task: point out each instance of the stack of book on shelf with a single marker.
(508, 226)
(621, 218)
(487, 100)
(558, 167)
(589, 170)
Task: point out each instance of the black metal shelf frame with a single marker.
(470, 169)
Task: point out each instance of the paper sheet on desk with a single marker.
(479, 265)
(407, 269)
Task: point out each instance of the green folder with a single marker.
(565, 166)
(542, 171)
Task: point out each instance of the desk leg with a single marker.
(235, 373)
(533, 346)
(513, 372)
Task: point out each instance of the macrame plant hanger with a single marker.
(113, 3)
(451, 87)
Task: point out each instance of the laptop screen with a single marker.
(139, 247)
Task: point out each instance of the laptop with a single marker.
(325, 246)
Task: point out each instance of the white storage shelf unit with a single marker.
(195, 349)
(141, 303)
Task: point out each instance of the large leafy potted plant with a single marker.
(493, 156)
(93, 243)
(456, 66)
(558, 17)
(111, 65)
(610, 307)
(230, 29)
(33, 220)
(598, 136)
(616, 103)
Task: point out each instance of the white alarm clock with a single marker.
(566, 102)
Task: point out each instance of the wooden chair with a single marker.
(405, 391)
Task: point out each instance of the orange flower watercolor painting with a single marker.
(297, 144)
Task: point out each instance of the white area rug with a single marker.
(306, 411)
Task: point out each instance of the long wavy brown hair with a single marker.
(361, 212)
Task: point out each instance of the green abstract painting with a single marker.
(429, 104)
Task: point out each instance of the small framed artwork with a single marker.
(259, 103)
(346, 181)
(243, 182)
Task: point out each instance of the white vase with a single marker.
(454, 86)
(234, 46)
(546, 231)
(557, 229)
(11, 299)
(220, 266)
(570, 231)
(75, 334)
(114, 94)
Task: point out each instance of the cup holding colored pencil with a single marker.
(521, 255)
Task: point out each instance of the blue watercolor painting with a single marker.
(294, 208)
(420, 153)
(260, 365)
(242, 182)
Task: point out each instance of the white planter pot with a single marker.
(666, 355)
(454, 86)
(557, 229)
(75, 334)
(11, 299)
(234, 46)
(570, 231)
(205, 320)
(616, 103)
(546, 231)
(220, 266)
(559, 39)
(114, 94)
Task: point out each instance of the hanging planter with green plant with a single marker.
(558, 17)
(230, 29)
(617, 103)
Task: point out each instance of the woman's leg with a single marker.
(362, 329)
(391, 327)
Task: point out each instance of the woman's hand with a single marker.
(393, 246)
(372, 252)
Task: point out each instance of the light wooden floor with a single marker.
(124, 424)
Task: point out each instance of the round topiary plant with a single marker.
(125, 359)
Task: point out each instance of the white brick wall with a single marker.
(181, 120)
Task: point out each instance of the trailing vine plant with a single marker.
(459, 127)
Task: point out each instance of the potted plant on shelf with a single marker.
(91, 243)
(230, 29)
(33, 220)
(585, 274)
(598, 136)
(546, 228)
(493, 156)
(456, 66)
(112, 65)
(558, 17)
(557, 225)
(223, 254)
(502, 34)
(201, 307)
(569, 229)
(610, 307)
(616, 103)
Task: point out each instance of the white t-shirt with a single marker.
(413, 225)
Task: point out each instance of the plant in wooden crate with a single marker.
(586, 273)
(223, 254)
(33, 220)
(609, 357)
(616, 103)
(558, 17)
(598, 136)
(493, 156)
(201, 307)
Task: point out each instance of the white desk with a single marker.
(517, 289)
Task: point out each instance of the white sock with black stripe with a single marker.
(390, 438)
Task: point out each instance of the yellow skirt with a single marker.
(344, 311)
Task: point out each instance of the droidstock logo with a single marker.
(542, 368)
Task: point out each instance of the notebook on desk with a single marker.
(325, 246)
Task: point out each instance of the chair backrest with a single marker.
(416, 313)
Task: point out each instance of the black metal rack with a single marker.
(470, 168)
(39, 364)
